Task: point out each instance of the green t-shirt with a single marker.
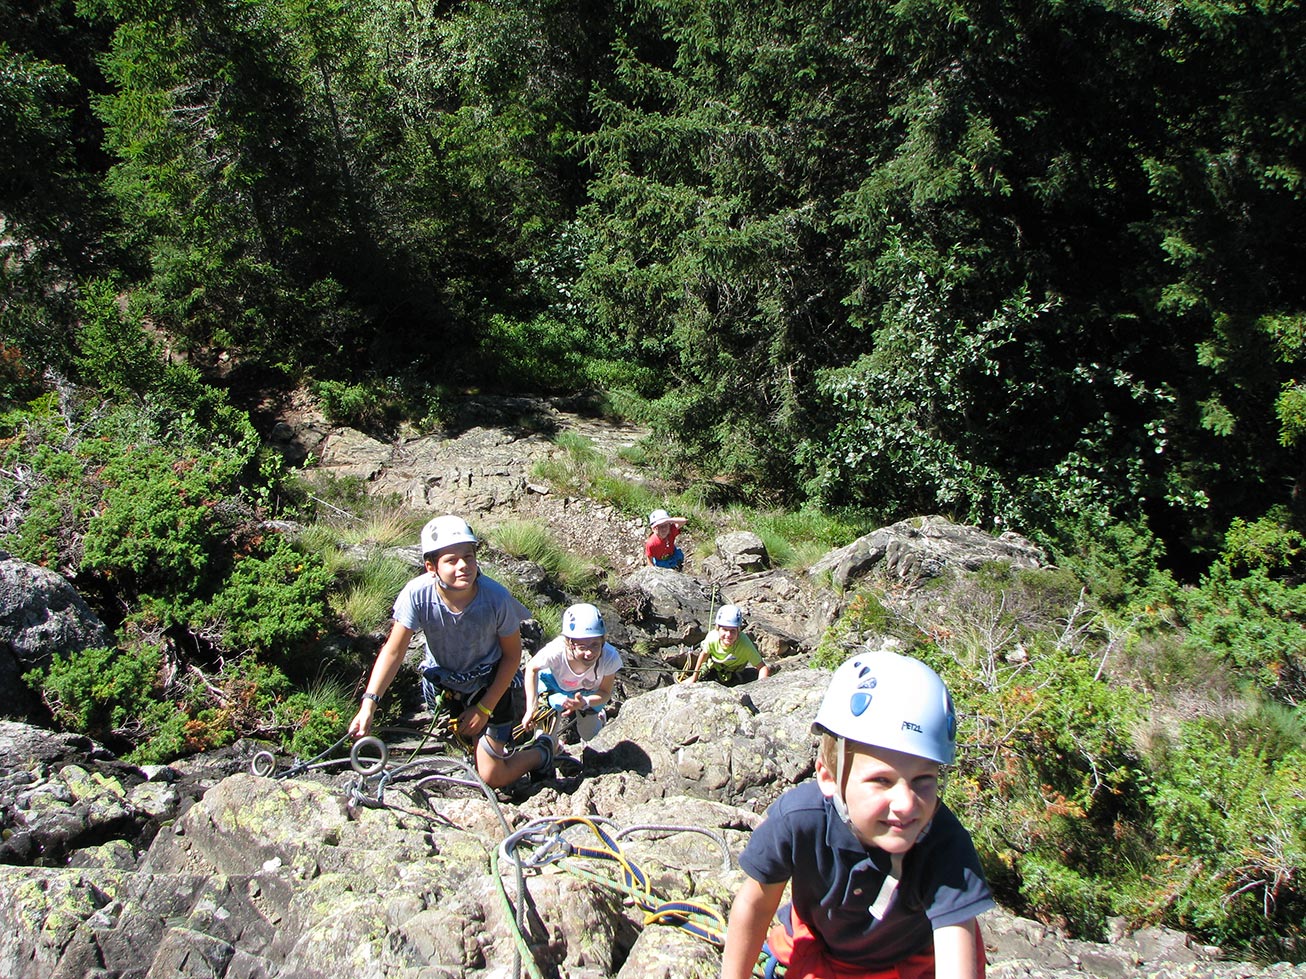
(742, 654)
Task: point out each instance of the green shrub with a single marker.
(1254, 623)
(274, 599)
(364, 406)
(155, 527)
(114, 352)
(1230, 821)
(100, 692)
(1250, 605)
(1119, 562)
(1062, 895)
(58, 504)
(1270, 544)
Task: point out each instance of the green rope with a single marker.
(523, 948)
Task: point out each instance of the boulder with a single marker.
(62, 796)
(739, 552)
(742, 746)
(349, 452)
(671, 608)
(475, 472)
(911, 551)
(41, 615)
(783, 613)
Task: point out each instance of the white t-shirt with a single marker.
(552, 659)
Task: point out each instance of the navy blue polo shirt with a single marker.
(835, 879)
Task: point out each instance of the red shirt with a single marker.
(661, 548)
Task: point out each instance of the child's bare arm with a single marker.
(387, 664)
(532, 681)
(750, 918)
(698, 664)
(957, 951)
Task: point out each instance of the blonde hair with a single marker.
(828, 751)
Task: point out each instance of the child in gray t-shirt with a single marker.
(472, 629)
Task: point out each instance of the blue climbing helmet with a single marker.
(885, 700)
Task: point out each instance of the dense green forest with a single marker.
(1032, 265)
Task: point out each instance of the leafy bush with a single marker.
(364, 406)
(274, 600)
(212, 711)
(158, 522)
(102, 691)
(1119, 562)
(1250, 606)
(1063, 895)
(115, 353)
(55, 504)
(1230, 821)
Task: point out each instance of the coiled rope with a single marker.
(377, 776)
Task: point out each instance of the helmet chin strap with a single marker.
(880, 906)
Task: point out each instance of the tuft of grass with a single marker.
(367, 601)
(324, 541)
(799, 539)
(624, 494)
(384, 527)
(531, 541)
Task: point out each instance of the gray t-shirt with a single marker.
(462, 648)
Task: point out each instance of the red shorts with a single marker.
(806, 957)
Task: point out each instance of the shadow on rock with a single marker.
(624, 756)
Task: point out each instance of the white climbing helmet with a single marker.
(658, 517)
(887, 700)
(583, 621)
(446, 531)
(730, 616)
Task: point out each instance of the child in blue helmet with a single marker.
(472, 629)
(884, 880)
(727, 655)
(575, 672)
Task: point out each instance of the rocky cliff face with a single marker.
(203, 869)
(409, 868)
